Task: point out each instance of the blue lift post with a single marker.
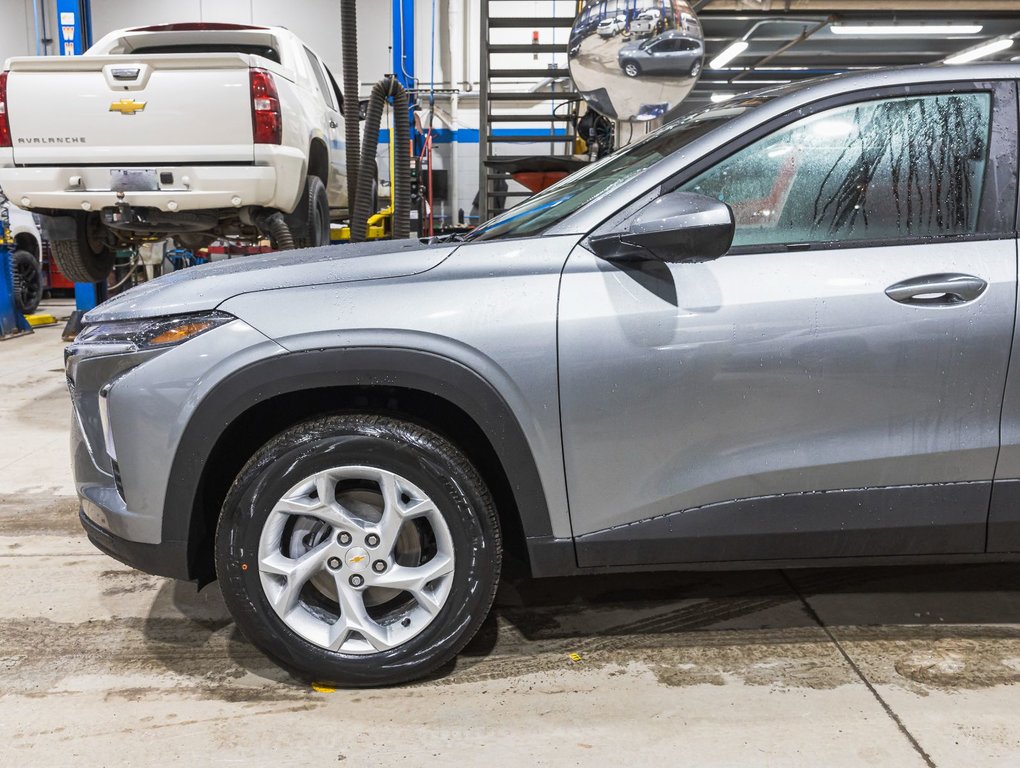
(12, 322)
(75, 22)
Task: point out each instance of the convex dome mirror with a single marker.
(636, 59)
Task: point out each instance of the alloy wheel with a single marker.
(356, 559)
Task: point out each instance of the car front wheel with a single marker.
(631, 69)
(359, 550)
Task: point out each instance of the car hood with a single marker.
(630, 49)
(198, 289)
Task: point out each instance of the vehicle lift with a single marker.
(12, 322)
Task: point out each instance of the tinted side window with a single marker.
(320, 78)
(896, 168)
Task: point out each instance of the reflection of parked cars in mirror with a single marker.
(609, 27)
(671, 53)
(646, 23)
(690, 25)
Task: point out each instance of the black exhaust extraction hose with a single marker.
(352, 107)
(279, 233)
(363, 203)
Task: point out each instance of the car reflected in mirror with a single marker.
(671, 53)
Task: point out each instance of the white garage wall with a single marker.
(17, 27)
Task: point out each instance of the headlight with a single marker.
(153, 332)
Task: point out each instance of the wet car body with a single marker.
(754, 338)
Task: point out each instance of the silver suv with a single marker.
(774, 333)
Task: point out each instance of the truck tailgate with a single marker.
(154, 109)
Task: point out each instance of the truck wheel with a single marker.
(27, 282)
(309, 223)
(86, 258)
(358, 550)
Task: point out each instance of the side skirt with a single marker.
(949, 518)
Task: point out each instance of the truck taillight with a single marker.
(5, 121)
(266, 119)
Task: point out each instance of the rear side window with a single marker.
(910, 167)
(320, 78)
(264, 51)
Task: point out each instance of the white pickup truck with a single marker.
(191, 131)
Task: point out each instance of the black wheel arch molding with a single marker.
(368, 367)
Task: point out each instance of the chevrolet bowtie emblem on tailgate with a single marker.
(127, 106)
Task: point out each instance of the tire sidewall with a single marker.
(23, 260)
(77, 260)
(309, 222)
(318, 220)
(296, 455)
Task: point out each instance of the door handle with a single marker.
(941, 290)
(332, 124)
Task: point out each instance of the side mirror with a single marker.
(679, 226)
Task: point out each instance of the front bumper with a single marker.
(168, 558)
(151, 396)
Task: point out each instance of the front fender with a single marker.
(367, 366)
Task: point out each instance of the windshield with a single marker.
(553, 205)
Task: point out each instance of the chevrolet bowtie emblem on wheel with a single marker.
(127, 106)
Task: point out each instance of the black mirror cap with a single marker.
(679, 226)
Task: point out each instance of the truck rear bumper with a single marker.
(180, 187)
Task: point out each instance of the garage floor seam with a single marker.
(857, 671)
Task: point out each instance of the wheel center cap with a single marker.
(357, 559)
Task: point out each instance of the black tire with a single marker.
(425, 459)
(309, 223)
(28, 286)
(631, 68)
(695, 68)
(86, 258)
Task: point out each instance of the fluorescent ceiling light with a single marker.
(724, 58)
(720, 97)
(979, 51)
(934, 30)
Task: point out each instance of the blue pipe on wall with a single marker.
(403, 42)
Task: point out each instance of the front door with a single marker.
(832, 386)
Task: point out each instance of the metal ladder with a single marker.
(550, 84)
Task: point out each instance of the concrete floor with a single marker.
(101, 665)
